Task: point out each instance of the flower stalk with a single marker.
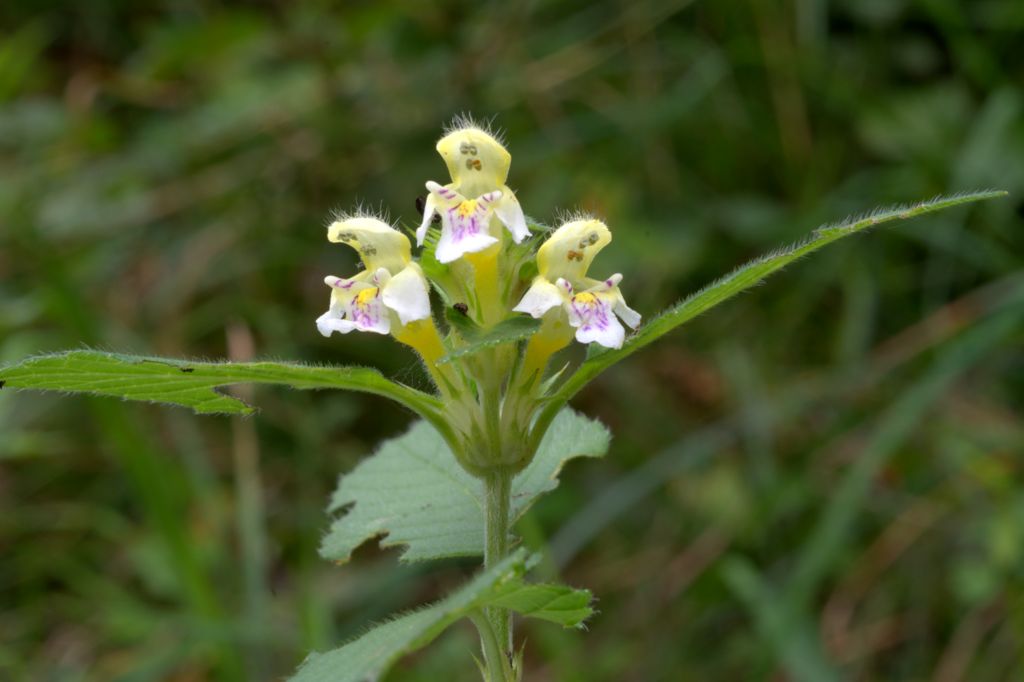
(497, 509)
(497, 666)
(482, 265)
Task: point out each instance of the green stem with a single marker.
(498, 667)
(497, 496)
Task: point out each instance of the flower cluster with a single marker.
(475, 265)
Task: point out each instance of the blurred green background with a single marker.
(819, 480)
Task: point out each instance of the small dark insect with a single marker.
(421, 206)
(462, 308)
(187, 370)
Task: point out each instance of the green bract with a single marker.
(487, 302)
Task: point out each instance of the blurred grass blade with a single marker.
(897, 424)
(628, 491)
(739, 280)
(782, 614)
(370, 655)
(791, 637)
(194, 384)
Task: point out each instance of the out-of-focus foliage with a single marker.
(821, 478)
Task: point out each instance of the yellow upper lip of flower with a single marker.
(570, 250)
(476, 160)
(379, 245)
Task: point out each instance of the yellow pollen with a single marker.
(586, 298)
(467, 207)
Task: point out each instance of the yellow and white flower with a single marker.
(591, 305)
(479, 167)
(392, 285)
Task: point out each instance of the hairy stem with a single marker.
(497, 495)
(498, 667)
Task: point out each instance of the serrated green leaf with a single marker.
(554, 603)
(506, 331)
(462, 323)
(370, 655)
(414, 493)
(739, 280)
(193, 384)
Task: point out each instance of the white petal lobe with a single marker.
(407, 294)
(591, 315)
(510, 213)
(429, 208)
(627, 314)
(541, 297)
(451, 247)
